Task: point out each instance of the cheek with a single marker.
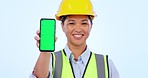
(67, 31)
(87, 30)
(64, 29)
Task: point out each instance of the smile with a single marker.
(78, 36)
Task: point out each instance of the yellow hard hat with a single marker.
(75, 7)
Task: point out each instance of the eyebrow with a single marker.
(71, 20)
(85, 20)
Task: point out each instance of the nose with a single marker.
(78, 28)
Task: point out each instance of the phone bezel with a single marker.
(54, 34)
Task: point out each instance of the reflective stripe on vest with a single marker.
(97, 66)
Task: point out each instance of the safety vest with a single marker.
(97, 66)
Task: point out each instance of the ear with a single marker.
(63, 28)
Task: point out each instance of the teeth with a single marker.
(78, 36)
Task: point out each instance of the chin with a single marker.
(78, 43)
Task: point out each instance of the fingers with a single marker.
(38, 32)
(37, 44)
(37, 38)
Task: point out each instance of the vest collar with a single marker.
(84, 56)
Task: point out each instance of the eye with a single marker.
(71, 23)
(84, 23)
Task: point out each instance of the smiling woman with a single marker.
(75, 59)
(120, 30)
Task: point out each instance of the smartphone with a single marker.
(47, 35)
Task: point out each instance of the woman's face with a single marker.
(77, 29)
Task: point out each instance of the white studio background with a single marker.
(120, 30)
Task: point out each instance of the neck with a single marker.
(77, 50)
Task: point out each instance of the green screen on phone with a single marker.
(47, 35)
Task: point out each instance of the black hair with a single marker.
(63, 18)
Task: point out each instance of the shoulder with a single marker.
(113, 73)
(101, 56)
(56, 52)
